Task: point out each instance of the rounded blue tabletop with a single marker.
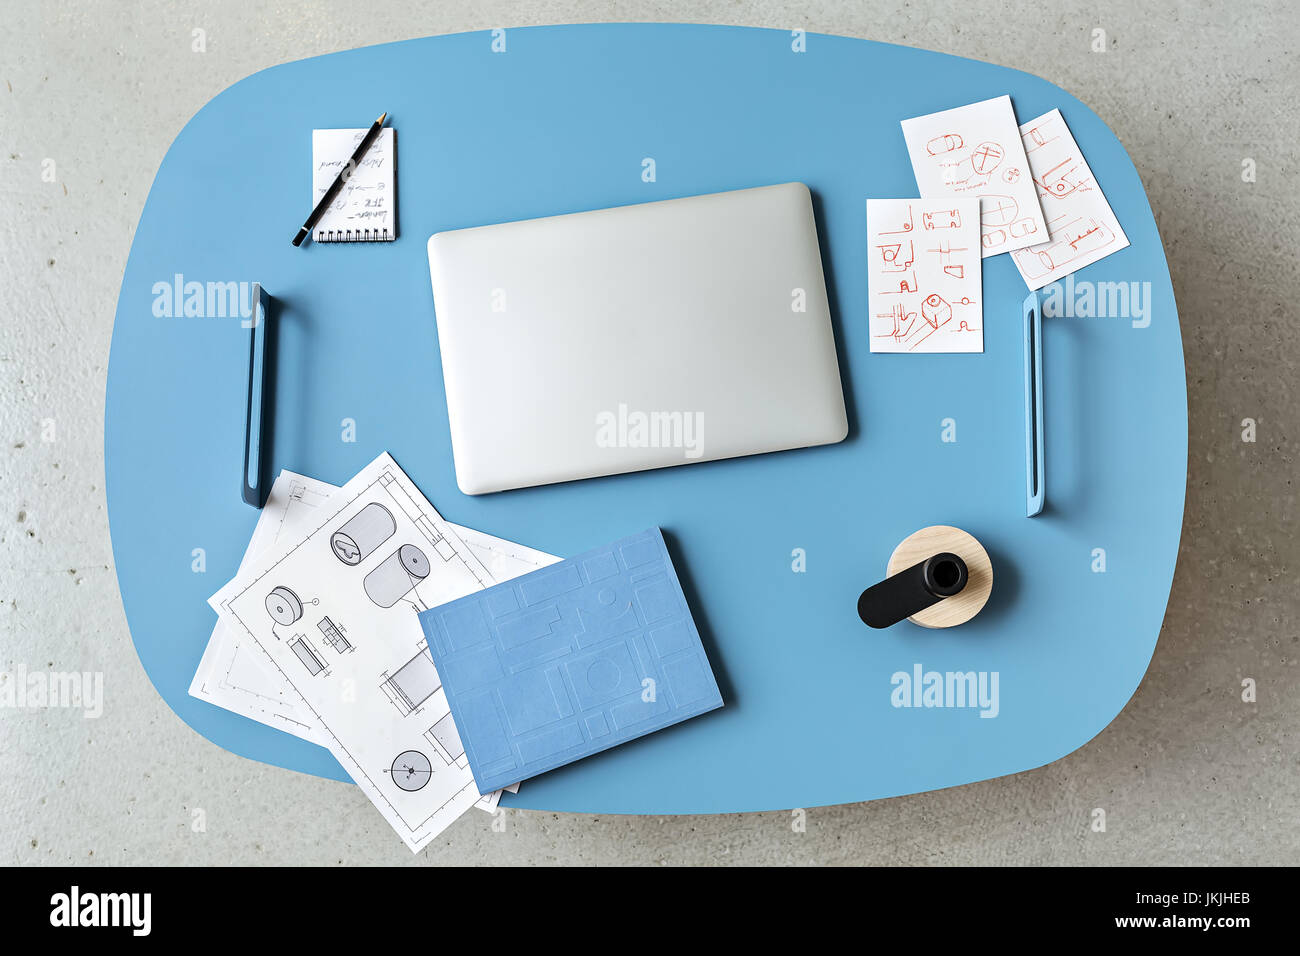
(773, 550)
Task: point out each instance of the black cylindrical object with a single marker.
(913, 589)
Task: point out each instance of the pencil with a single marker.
(344, 174)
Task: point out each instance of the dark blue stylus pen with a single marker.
(344, 175)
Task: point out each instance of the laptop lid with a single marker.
(637, 337)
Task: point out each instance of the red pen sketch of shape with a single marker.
(974, 170)
(935, 310)
(902, 323)
(1036, 137)
(1077, 238)
(897, 259)
(1067, 176)
(997, 213)
(986, 157)
(904, 228)
(938, 314)
(1023, 227)
(941, 219)
(999, 236)
(947, 143)
(998, 210)
(945, 253)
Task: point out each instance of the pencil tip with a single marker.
(382, 117)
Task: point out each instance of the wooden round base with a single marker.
(961, 607)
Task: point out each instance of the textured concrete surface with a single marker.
(94, 92)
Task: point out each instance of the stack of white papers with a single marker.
(987, 186)
(976, 151)
(317, 635)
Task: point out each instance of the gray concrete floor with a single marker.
(1188, 773)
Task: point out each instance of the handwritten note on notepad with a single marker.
(366, 207)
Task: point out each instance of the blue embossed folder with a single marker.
(570, 660)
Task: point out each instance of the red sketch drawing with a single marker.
(975, 170)
(906, 286)
(901, 321)
(894, 259)
(1080, 226)
(946, 143)
(997, 211)
(1001, 226)
(1023, 228)
(978, 150)
(1038, 135)
(935, 310)
(938, 315)
(986, 157)
(1065, 177)
(904, 228)
(923, 299)
(941, 219)
(897, 259)
(1087, 235)
(946, 254)
(1080, 238)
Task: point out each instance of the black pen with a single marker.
(344, 175)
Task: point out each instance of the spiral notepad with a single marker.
(366, 208)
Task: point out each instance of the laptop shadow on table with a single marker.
(837, 325)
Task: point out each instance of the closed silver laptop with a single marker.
(637, 337)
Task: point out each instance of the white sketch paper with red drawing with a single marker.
(1080, 224)
(976, 150)
(923, 275)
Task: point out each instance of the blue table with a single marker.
(561, 121)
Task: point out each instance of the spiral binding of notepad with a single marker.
(353, 235)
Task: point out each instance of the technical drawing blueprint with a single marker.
(241, 679)
(238, 678)
(294, 600)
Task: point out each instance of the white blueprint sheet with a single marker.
(331, 604)
(242, 680)
(239, 678)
